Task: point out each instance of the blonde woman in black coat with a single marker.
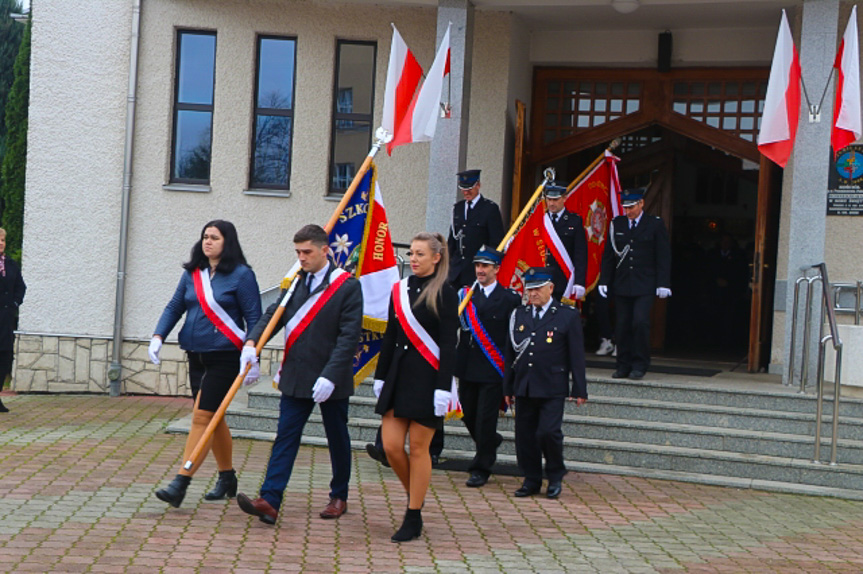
(415, 370)
(12, 290)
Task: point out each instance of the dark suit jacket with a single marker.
(12, 289)
(493, 312)
(327, 346)
(544, 369)
(648, 263)
(570, 229)
(483, 227)
(409, 380)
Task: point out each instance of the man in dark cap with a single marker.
(569, 277)
(480, 360)
(546, 347)
(636, 265)
(476, 221)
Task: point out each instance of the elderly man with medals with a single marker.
(546, 347)
(636, 268)
(566, 246)
(480, 360)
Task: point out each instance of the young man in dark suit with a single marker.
(480, 361)
(546, 347)
(570, 230)
(476, 221)
(636, 264)
(317, 369)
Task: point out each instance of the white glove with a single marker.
(441, 402)
(153, 351)
(249, 356)
(379, 386)
(579, 292)
(663, 292)
(322, 389)
(603, 291)
(253, 375)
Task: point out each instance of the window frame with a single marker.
(337, 116)
(182, 107)
(269, 188)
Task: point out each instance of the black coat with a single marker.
(327, 346)
(493, 312)
(646, 266)
(570, 229)
(484, 226)
(12, 289)
(544, 368)
(409, 380)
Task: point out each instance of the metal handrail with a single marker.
(828, 304)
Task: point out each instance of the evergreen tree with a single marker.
(10, 41)
(14, 166)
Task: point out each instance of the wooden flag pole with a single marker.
(381, 137)
(549, 176)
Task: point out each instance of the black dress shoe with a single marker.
(636, 375)
(553, 490)
(226, 486)
(619, 374)
(476, 479)
(377, 454)
(435, 460)
(175, 492)
(526, 490)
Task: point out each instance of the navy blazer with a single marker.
(484, 226)
(647, 264)
(555, 351)
(473, 365)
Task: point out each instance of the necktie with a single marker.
(632, 224)
(309, 280)
(468, 210)
(556, 217)
(536, 312)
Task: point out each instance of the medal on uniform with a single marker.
(549, 334)
(521, 327)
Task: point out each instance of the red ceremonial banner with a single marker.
(527, 249)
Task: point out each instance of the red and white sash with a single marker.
(422, 341)
(309, 309)
(412, 328)
(214, 312)
(555, 245)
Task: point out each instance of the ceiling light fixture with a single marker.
(625, 6)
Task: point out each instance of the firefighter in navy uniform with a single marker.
(476, 221)
(570, 230)
(480, 361)
(546, 347)
(636, 265)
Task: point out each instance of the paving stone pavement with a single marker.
(77, 475)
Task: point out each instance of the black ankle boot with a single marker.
(226, 486)
(3, 408)
(411, 527)
(174, 493)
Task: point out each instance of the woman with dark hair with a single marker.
(415, 371)
(219, 294)
(12, 289)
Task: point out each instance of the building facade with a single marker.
(260, 111)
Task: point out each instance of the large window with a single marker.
(353, 104)
(193, 107)
(274, 113)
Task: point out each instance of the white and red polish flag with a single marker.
(847, 122)
(403, 76)
(782, 103)
(420, 122)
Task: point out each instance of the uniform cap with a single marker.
(468, 178)
(553, 191)
(537, 277)
(488, 255)
(631, 196)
